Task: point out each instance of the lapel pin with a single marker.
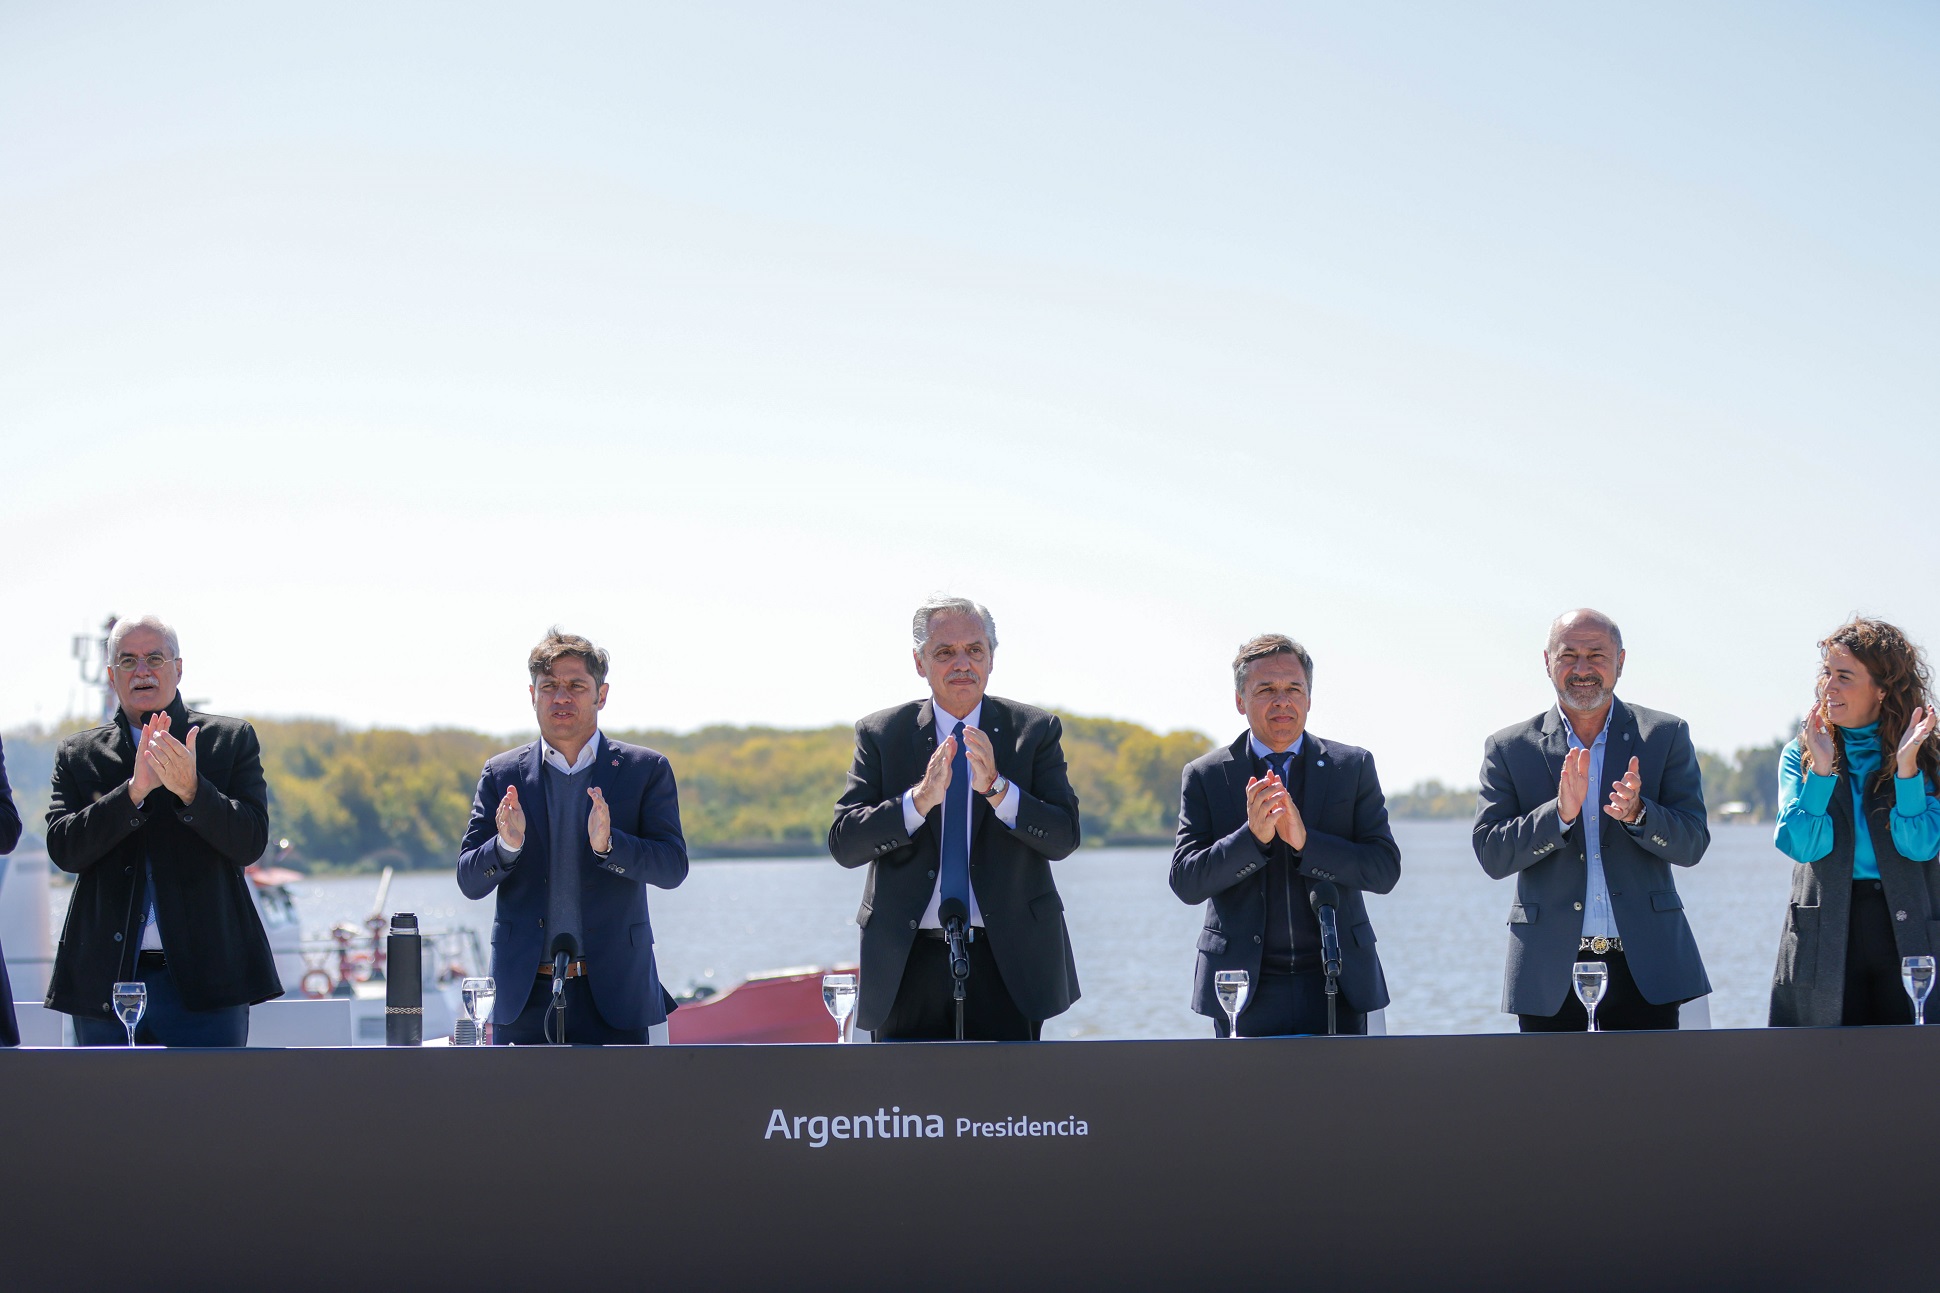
(1320, 763)
(616, 763)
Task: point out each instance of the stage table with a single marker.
(1687, 1160)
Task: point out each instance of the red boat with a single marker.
(777, 1006)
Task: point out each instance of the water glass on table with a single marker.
(838, 994)
(130, 999)
(1592, 980)
(1916, 974)
(478, 995)
(1232, 987)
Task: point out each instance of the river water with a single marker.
(1442, 931)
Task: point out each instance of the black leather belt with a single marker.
(942, 937)
(152, 959)
(575, 970)
(1600, 944)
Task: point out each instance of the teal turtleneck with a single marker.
(1805, 828)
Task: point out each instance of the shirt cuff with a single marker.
(912, 820)
(505, 855)
(1910, 795)
(1006, 808)
(1817, 795)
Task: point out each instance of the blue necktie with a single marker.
(1280, 763)
(956, 830)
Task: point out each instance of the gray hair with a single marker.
(129, 623)
(1269, 644)
(919, 623)
(1587, 616)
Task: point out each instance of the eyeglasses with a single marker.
(153, 661)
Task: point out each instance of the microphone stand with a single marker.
(564, 951)
(1324, 897)
(955, 934)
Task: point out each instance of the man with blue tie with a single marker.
(1593, 865)
(1265, 825)
(958, 804)
(569, 831)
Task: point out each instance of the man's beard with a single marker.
(1572, 697)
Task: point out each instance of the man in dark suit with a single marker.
(959, 801)
(569, 831)
(1594, 885)
(157, 813)
(9, 836)
(1261, 823)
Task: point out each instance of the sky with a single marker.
(363, 342)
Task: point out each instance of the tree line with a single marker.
(352, 798)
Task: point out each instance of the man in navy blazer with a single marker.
(1260, 822)
(569, 830)
(1593, 865)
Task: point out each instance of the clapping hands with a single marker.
(161, 760)
(1919, 726)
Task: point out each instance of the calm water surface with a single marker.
(1442, 931)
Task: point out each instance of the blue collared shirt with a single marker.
(1598, 918)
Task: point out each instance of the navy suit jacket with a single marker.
(1219, 862)
(617, 937)
(1519, 832)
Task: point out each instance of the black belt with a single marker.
(574, 970)
(1599, 944)
(942, 937)
(153, 959)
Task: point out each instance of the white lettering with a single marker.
(818, 1130)
(934, 1126)
(839, 1127)
(777, 1122)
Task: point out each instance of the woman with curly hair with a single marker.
(1857, 811)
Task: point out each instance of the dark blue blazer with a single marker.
(1219, 862)
(617, 942)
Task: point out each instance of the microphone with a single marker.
(1324, 897)
(956, 918)
(565, 950)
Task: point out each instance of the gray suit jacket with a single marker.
(1518, 832)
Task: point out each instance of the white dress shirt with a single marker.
(1005, 808)
(587, 753)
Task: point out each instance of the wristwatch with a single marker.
(997, 787)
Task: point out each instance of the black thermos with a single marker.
(404, 983)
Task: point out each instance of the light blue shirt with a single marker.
(1804, 831)
(1261, 749)
(1598, 918)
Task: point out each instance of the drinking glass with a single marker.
(1231, 985)
(130, 1000)
(1916, 972)
(479, 995)
(1592, 979)
(838, 994)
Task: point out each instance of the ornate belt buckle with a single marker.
(1599, 944)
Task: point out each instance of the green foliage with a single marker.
(1127, 777)
(349, 798)
(1432, 799)
(1749, 777)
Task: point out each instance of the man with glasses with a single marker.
(569, 831)
(157, 813)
